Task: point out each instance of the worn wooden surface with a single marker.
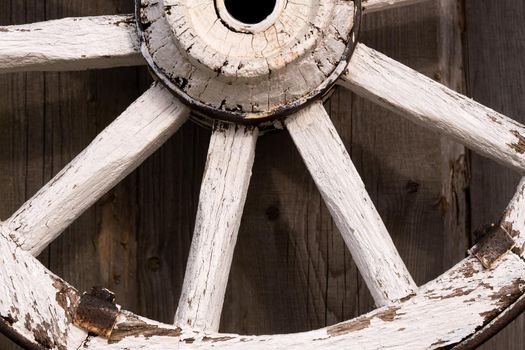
(291, 271)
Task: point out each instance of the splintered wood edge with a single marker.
(370, 6)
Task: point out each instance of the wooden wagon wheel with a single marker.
(242, 71)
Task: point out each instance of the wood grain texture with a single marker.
(350, 205)
(70, 44)
(495, 51)
(113, 155)
(221, 204)
(26, 283)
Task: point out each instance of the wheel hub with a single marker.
(243, 62)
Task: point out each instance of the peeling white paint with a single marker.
(352, 209)
(114, 153)
(432, 105)
(221, 202)
(70, 44)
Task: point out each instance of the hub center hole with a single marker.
(250, 11)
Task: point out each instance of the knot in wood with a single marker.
(211, 55)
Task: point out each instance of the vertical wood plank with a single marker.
(496, 78)
(454, 202)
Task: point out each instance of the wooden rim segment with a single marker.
(460, 308)
(454, 306)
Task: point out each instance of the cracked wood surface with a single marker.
(432, 105)
(115, 153)
(106, 41)
(350, 205)
(251, 73)
(70, 44)
(221, 203)
(35, 303)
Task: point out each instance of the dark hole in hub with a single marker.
(250, 11)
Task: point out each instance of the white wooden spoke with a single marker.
(118, 150)
(350, 205)
(221, 203)
(379, 5)
(443, 312)
(432, 105)
(70, 44)
(35, 303)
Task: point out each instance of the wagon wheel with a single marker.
(243, 71)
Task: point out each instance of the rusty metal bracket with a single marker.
(495, 243)
(97, 312)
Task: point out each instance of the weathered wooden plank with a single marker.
(167, 200)
(454, 204)
(350, 205)
(401, 163)
(221, 204)
(494, 60)
(304, 277)
(117, 151)
(432, 105)
(70, 44)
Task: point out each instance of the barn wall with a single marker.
(496, 47)
(291, 269)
